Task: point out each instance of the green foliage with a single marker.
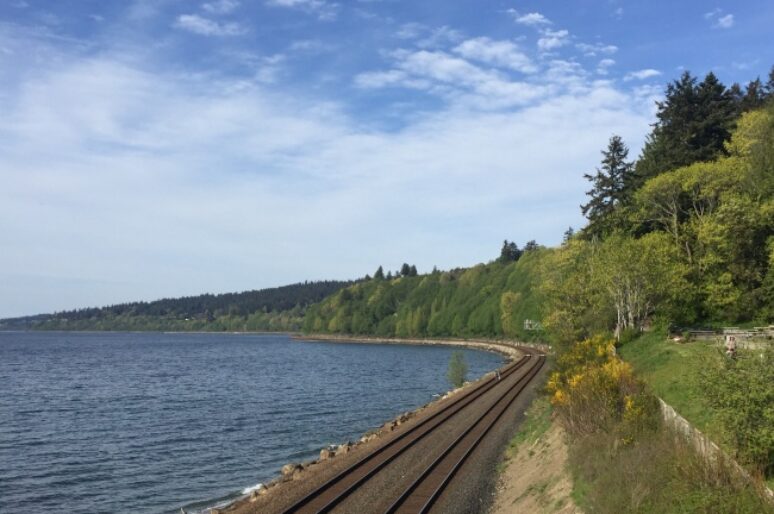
(460, 303)
(656, 473)
(694, 122)
(741, 391)
(610, 187)
(458, 369)
(279, 308)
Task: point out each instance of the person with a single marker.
(731, 346)
(498, 374)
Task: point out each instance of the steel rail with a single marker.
(429, 425)
(482, 428)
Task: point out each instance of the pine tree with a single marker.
(769, 87)
(413, 271)
(405, 270)
(568, 235)
(379, 274)
(611, 185)
(694, 122)
(754, 96)
(510, 252)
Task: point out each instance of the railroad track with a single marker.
(420, 495)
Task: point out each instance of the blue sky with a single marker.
(162, 148)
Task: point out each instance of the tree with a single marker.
(389, 275)
(568, 234)
(742, 392)
(694, 122)
(754, 96)
(609, 187)
(510, 252)
(413, 271)
(379, 275)
(405, 270)
(458, 369)
(531, 245)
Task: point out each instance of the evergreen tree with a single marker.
(510, 252)
(531, 245)
(611, 186)
(568, 235)
(769, 87)
(389, 275)
(379, 275)
(754, 97)
(405, 270)
(413, 271)
(694, 122)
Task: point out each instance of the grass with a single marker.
(537, 422)
(670, 369)
(656, 474)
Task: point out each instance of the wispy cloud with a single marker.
(594, 49)
(207, 27)
(220, 6)
(504, 54)
(533, 19)
(719, 19)
(324, 10)
(604, 65)
(642, 74)
(552, 39)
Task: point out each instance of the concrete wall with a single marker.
(703, 444)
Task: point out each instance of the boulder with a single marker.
(344, 448)
(291, 469)
(326, 454)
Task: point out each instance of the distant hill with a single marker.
(278, 308)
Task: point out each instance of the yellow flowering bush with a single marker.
(592, 389)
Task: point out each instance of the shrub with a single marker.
(458, 369)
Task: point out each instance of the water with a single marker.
(149, 423)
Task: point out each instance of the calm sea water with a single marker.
(149, 423)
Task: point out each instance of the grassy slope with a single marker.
(670, 369)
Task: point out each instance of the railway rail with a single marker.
(424, 491)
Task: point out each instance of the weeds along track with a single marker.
(489, 400)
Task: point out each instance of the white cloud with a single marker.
(220, 6)
(720, 20)
(532, 19)
(324, 10)
(725, 22)
(594, 49)
(603, 65)
(503, 54)
(206, 27)
(410, 30)
(552, 39)
(642, 74)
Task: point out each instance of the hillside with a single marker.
(487, 300)
(278, 308)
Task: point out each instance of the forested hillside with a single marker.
(279, 308)
(682, 235)
(487, 300)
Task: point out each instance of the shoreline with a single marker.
(506, 348)
(509, 348)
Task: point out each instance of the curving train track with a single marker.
(436, 446)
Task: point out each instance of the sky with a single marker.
(161, 148)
